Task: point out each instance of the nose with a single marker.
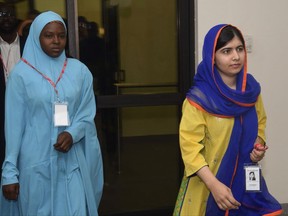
(236, 55)
(56, 39)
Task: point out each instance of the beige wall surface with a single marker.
(266, 23)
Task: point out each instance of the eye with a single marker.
(62, 36)
(48, 36)
(240, 49)
(226, 51)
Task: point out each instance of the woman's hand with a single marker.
(11, 191)
(223, 196)
(258, 152)
(221, 193)
(64, 142)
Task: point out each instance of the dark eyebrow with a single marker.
(229, 48)
(225, 48)
(52, 32)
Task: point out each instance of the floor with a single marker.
(146, 181)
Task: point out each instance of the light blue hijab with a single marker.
(30, 123)
(33, 52)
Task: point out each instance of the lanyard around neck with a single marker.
(46, 77)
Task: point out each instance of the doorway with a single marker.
(148, 47)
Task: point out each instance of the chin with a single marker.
(54, 54)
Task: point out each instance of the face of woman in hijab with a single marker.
(53, 39)
(230, 59)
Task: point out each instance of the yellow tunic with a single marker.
(203, 141)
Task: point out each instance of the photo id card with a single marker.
(61, 117)
(252, 178)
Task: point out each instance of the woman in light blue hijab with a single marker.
(53, 163)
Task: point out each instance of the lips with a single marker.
(236, 65)
(56, 49)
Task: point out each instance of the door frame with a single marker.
(186, 41)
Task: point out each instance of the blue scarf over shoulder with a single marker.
(211, 94)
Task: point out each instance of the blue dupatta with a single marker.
(211, 94)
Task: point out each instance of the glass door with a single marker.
(139, 85)
(142, 161)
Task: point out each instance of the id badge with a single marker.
(61, 116)
(252, 177)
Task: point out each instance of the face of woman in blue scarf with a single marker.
(53, 39)
(230, 59)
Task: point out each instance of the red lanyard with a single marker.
(47, 78)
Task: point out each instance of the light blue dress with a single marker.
(51, 182)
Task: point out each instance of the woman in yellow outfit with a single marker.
(222, 134)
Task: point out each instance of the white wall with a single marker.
(266, 21)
